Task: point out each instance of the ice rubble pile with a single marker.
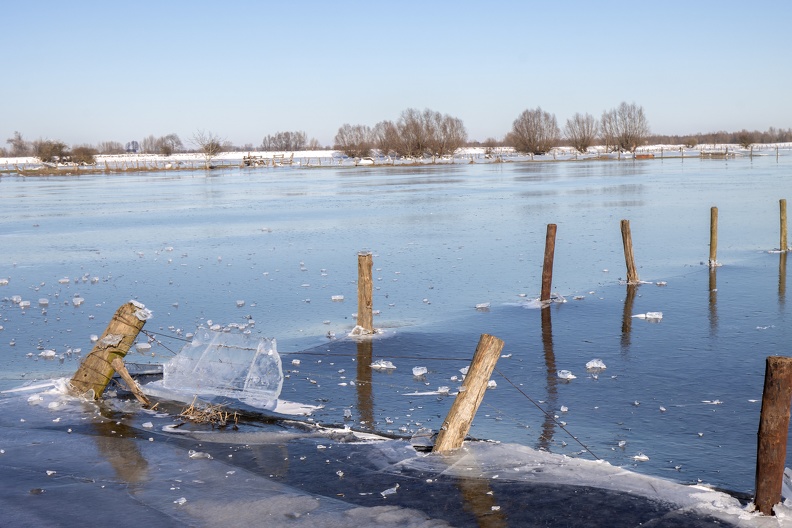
(226, 364)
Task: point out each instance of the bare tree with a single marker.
(19, 147)
(581, 131)
(49, 151)
(209, 144)
(354, 140)
(385, 137)
(745, 139)
(413, 139)
(444, 134)
(625, 127)
(534, 131)
(285, 141)
(313, 144)
(83, 154)
(110, 147)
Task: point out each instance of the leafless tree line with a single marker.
(416, 134)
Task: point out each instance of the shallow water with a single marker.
(191, 245)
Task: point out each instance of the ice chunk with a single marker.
(24, 304)
(649, 315)
(240, 303)
(77, 301)
(47, 354)
(389, 491)
(565, 374)
(492, 384)
(483, 307)
(337, 298)
(16, 299)
(142, 347)
(640, 457)
(419, 371)
(43, 302)
(3, 282)
(382, 364)
(595, 364)
(226, 365)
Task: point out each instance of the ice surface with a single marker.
(226, 364)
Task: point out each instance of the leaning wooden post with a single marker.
(365, 318)
(629, 258)
(96, 369)
(547, 268)
(713, 255)
(783, 246)
(460, 417)
(773, 430)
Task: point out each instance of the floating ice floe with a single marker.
(3, 282)
(142, 347)
(419, 371)
(656, 316)
(483, 307)
(595, 364)
(491, 384)
(565, 374)
(383, 364)
(43, 302)
(47, 354)
(640, 457)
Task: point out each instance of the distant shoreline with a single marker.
(125, 163)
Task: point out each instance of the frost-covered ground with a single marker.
(273, 252)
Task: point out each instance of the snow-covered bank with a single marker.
(466, 154)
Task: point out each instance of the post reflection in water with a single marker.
(365, 397)
(117, 444)
(478, 499)
(782, 265)
(629, 300)
(713, 299)
(548, 426)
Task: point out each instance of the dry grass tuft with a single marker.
(215, 415)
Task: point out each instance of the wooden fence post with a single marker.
(365, 317)
(773, 430)
(547, 268)
(713, 254)
(460, 417)
(96, 369)
(783, 246)
(629, 258)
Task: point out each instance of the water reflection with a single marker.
(117, 444)
(479, 500)
(365, 397)
(629, 300)
(782, 265)
(548, 426)
(713, 300)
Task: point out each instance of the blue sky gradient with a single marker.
(91, 71)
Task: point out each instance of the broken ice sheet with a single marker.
(383, 364)
(225, 365)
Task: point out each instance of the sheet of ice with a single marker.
(225, 364)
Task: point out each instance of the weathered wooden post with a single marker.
(629, 258)
(96, 369)
(773, 430)
(365, 317)
(460, 417)
(713, 254)
(783, 246)
(547, 268)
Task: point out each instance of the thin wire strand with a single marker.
(547, 414)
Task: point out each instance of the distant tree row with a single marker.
(415, 134)
(419, 133)
(742, 137)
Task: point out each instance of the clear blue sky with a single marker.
(91, 71)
